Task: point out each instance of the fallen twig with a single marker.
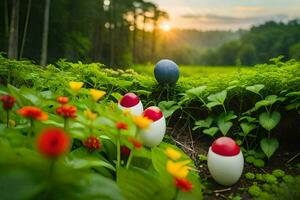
(222, 190)
(293, 158)
(184, 146)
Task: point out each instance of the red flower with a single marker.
(53, 142)
(33, 113)
(125, 150)
(7, 102)
(122, 126)
(66, 111)
(183, 184)
(92, 143)
(137, 144)
(62, 100)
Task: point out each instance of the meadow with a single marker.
(76, 105)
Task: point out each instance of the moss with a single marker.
(259, 177)
(269, 178)
(259, 163)
(250, 176)
(278, 173)
(287, 179)
(266, 187)
(250, 159)
(254, 191)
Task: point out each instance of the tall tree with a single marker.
(25, 27)
(146, 7)
(157, 16)
(44, 51)
(14, 30)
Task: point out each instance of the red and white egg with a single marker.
(131, 102)
(154, 134)
(225, 161)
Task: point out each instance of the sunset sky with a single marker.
(227, 14)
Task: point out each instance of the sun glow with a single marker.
(165, 26)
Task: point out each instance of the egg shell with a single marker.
(225, 170)
(134, 110)
(154, 134)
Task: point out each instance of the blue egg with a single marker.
(166, 72)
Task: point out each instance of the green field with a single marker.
(194, 70)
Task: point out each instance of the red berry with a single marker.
(225, 146)
(129, 100)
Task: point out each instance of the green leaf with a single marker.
(227, 117)
(198, 91)
(224, 126)
(255, 88)
(218, 97)
(211, 131)
(269, 121)
(269, 146)
(247, 128)
(203, 123)
(138, 184)
(168, 107)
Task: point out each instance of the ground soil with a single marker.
(194, 144)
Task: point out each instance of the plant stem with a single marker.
(7, 118)
(176, 194)
(118, 150)
(224, 109)
(31, 128)
(66, 123)
(129, 159)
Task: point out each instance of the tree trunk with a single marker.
(43, 61)
(6, 25)
(112, 32)
(154, 41)
(14, 30)
(144, 38)
(25, 28)
(134, 37)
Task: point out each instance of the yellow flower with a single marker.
(97, 94)
(75, 86)
(178, 169)
(173, 154)
(90, 115)
(141, 122)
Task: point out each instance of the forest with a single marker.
(118, 33)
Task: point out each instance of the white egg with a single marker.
(134, 110)
(225, 170)
(154, 134)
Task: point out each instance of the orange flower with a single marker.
(122, 126)
(53, 142)
(137, 144)
(33, 113)
(62, 100)
(183, 184)
(66, 111)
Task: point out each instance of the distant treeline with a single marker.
(258, 45)
(122, 33)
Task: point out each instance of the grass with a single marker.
(195, 70)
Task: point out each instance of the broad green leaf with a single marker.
(269, 146)
(255, 88)
(212, 104)
(227, 117)
(168, 107)
(138, 184)
(269, 121)
(248, 118)
(203, 123)
(210, 131)
(198, 91)
(116, 95)
(247, 128)
(224, 126)
(218, 97)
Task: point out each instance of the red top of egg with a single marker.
(225, 146)
(153, 113)
(129, 100)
